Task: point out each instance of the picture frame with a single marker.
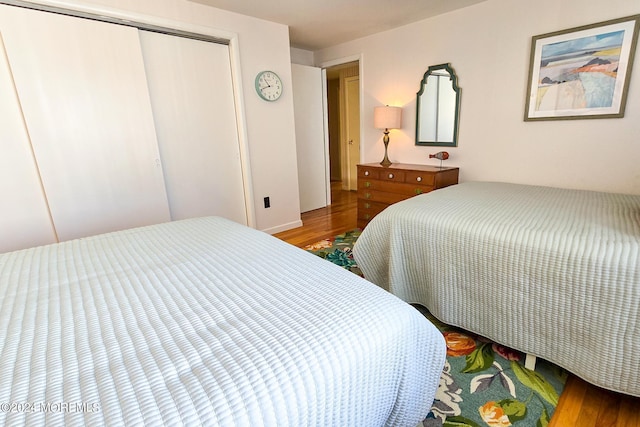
(582, 72)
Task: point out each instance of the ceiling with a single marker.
(316, 24)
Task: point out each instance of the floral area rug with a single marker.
(486, 384)
(338, 250)
(483, 383)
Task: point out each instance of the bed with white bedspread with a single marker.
(551, 272)
(205, 322)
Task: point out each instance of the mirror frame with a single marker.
(423, 83)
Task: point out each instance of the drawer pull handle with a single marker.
(367, 216)
(419, 179)
(367, 195)
(418, 191)
(366, 173)
(390, 176)
(367, 205)
(367, 184)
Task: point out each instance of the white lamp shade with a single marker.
(387, 117)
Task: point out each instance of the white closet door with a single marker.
(24, 218)
(83, 92)
(193, 105)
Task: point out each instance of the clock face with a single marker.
(268, 85)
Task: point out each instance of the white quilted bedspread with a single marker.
(548, 271)
(205, 322)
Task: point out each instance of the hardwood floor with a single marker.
(584, 405)
(581, 404)
(338, 217)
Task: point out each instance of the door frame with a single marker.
(324, 66)
(325, 128)
(349, 181)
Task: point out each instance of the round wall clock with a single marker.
(268, 85)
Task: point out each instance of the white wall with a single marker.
(269, 126)
(488, 45)
(301, 56)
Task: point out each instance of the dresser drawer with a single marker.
(368, 173)
(418, 177)
(393, 187)
(381, 196)
(393, 175)
(368, 209)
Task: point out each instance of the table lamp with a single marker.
(387, 118)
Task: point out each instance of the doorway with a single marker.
(343, 123)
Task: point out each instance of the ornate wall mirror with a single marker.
(437, 107)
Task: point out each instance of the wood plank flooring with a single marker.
(581, 404)
(338, 217)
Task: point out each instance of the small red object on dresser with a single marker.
(440, 155)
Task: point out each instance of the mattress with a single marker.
(205, 322)
(548, 271)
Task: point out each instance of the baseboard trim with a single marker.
(283, 227)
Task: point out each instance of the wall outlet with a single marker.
(267, 203)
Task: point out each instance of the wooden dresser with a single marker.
(379, 186)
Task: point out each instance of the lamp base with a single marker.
(385, 162)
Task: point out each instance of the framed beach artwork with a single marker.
(583, 72)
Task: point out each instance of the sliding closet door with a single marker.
(83, 92)
(193, 105)
(24, 219)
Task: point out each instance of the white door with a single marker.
(24, 219)
(311, 147)
(352, 126)
(193, 105)
(83, 92)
